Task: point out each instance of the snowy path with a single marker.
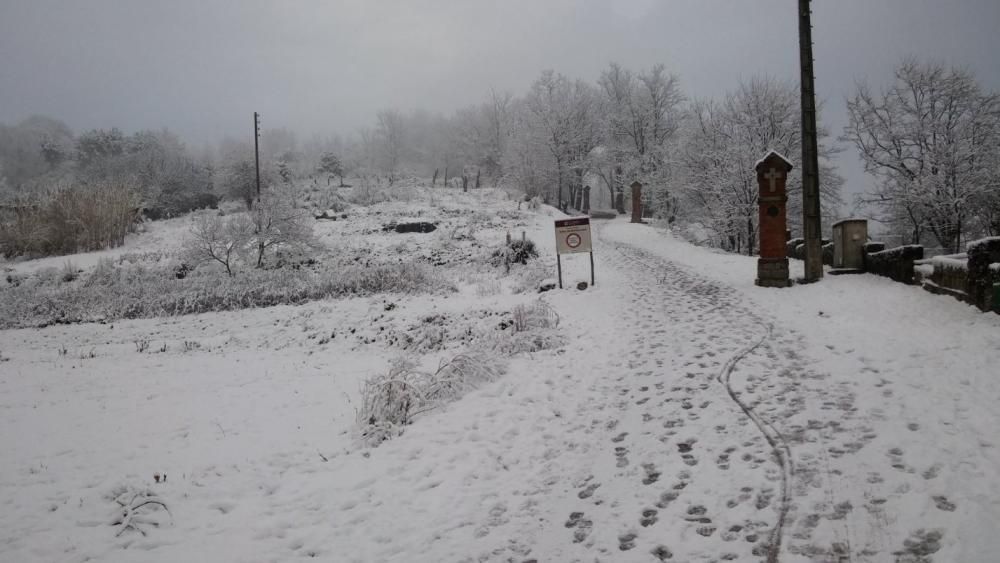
(683, 466)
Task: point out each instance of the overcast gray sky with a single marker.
(201, 67)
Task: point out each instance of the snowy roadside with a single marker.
(922, 371)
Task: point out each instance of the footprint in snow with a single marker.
(943, 503)
(648, 517)
(626, 541)
(588, 491)
(662, 553)
(652, 475)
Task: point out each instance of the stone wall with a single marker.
(796, 248)
(981, 274)
(791, 248)
(895, 263)
(949, 276)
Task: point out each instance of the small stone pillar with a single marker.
(585, 208)
(636, 202)
(772, 175)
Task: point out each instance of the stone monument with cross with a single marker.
(772, 175)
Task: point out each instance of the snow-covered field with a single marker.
(677, 413)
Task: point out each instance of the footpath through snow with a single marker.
(690, 417)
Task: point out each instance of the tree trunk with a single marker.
(435, 178)
(478, 172)
(559, 192)
(445, 177)
(465, 183)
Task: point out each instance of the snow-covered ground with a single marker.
(687, 416)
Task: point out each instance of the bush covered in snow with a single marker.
(71, 218)
(390, 401)
(139, 291)
(517, 251)
(272, 224)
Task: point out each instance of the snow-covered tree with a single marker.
(560, 118)
(931, 141)
(722, 141)
(641, 119)
(331, 165)
(34, 151)
(389, 135)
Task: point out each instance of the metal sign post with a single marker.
(572, 236)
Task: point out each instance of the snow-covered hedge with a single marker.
(982, 277)
(112, 292)
(895, 263)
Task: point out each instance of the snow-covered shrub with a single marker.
(137, 509)
(72, 218)
(530, 329)
(69, 271)
(103, 273)
(143, 292)
(527, 279)
(367, 191)
(517, 251)
(489, 288)
(510, 343)
(538, 314)
(462, 374)
(273, 224)
(13, 278)
(149, 256)
(390, 401)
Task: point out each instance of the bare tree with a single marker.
(389, 133)
(278, 224)
(217, 240)
(930, 139)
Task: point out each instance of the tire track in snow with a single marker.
(779, 446)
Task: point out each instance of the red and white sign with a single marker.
(573, 235)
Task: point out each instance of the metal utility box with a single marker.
(849, 237)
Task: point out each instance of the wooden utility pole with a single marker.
(256, 149)
(810, 158)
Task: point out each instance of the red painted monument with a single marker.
(772, 175)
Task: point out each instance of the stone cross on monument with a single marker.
(772, 175)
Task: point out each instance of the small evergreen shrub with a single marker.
(517, 251)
